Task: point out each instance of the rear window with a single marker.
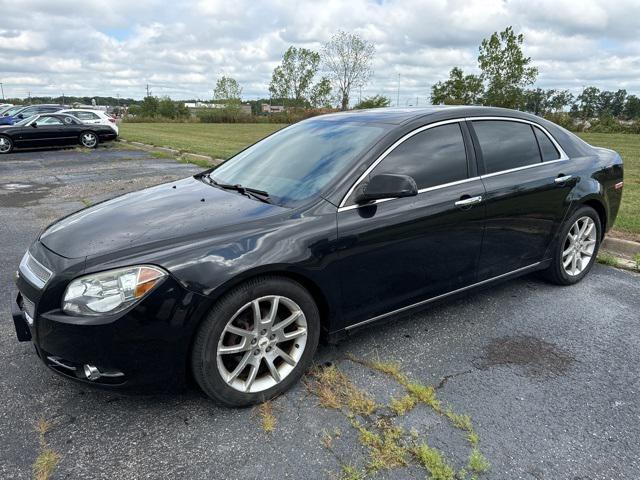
(547, 148)
(506, 145)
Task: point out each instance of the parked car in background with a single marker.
(52, 130)
(328, 225)
(28, 111)
(93, 117)
(4, 107)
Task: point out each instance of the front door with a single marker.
(527, 183)
(402, 251)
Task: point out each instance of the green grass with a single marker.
(628, 146)
(220, 140)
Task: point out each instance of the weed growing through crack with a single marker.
(477, 461)
(389, 446)
(47, 459)
(433, 461)
(350, 472)
(268, 419)
(402, 405)
(607, 259)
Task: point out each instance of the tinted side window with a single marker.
(506, 145)
(433, 157)
(86, 115)
(547, 148)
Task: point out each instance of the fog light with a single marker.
(91, 372)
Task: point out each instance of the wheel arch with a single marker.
(600, 209)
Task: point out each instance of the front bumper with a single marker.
(146, 346)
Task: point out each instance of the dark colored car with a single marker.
(327, 225)
(52, 130)
(13, 116)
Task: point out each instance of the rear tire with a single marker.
(89, 139)
(576, 249)
(244, 354)
(6, 145)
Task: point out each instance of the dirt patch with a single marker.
(537, 357)
(634, 237)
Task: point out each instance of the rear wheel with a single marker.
(577, 249)
(89, 139)
(6, 145)
(257, 342)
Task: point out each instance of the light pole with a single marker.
(2, 88)
(398, 97)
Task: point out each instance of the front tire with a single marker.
(6, 145)
(257, 341)
(89, 139)
(577, 248)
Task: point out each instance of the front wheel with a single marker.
(257, 341)
(89, 139)
(6, 145)
(577, 249)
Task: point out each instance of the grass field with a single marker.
(221, 140)
(628, 146)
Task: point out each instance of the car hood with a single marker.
(170, 212)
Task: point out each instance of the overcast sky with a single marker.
(180, 48)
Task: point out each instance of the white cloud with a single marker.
(180, 48)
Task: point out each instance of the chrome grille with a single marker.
(34, 271)
(29, 308)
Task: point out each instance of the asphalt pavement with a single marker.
(548, 375)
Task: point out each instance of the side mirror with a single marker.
(34, 125)
(386, 185)
(20, 116)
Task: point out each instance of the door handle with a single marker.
(467, 202)
(563, 179)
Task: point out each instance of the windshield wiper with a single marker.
(248, 191)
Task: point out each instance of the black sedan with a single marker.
(333, 223)
(52, 130)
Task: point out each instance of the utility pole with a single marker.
(398, 97)
(2, 88)
(148, 94)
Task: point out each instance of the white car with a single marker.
(95, 117)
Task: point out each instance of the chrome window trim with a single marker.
(563, 156)
(29, 275)
(443, 295)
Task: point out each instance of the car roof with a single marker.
(400, 115)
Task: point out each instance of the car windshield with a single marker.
(13, 111)
(297, 162)
(23, 122)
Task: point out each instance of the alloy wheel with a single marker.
(89, 140)
(579, 246)
(5, 145)
(262, 343)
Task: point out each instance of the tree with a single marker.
(347, 58)
(167, 108)
(228, 90)
(459, 89)
(537, 101)
(149, 107)
(560, 100)
(588, 102)
(376, 101)
(632, 107)
(321, 94)
(505, 69)
(293, 78)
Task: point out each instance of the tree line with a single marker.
(505, 74)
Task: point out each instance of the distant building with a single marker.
(266, 108)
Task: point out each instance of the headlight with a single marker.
(111, 291)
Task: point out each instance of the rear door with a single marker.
(402, 251)
(526, 198)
